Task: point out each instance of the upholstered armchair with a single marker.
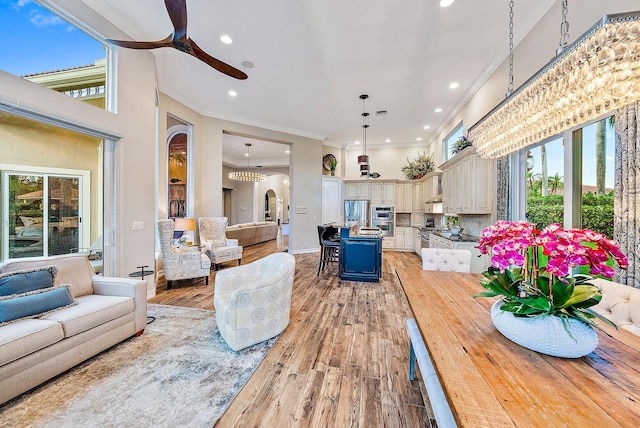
(218, 247)
(252, 302)
(180, 262)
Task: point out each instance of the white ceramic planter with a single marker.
(547, 335)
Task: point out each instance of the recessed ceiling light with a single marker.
(246, 154)
(427, 127)
(446, 3)
(419, 139)
(233, 94)
(454, 85)
(438, 110)
(357, 142)
(226, 39)
(288, 151)
(387, 140)
(247, 64)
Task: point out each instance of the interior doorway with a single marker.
(270, 209)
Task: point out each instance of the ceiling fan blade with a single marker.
(216, 63)
(177, 10)
(165, 43)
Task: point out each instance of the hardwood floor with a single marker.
(343, 359)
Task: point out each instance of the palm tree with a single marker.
(554, 183)
(534, 183)
(544, 191)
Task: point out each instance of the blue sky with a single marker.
(555, 157)
(35, 40)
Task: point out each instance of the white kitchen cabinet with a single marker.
(331, 200)
(430, 189)
(467, 184)
(404, 238)
(417, 242)
(388, 242)
(404, 197)
(383, 193)
(417, 205)
(357, 190)
(479, 262)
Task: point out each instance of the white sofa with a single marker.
(253, 233)
(108, 310)
(620, 303)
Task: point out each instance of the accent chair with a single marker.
(180, 262)
(218, 247)
(253, 301)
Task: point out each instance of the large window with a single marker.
(572, 183)
(48, 50)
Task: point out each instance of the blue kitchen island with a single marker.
(360, 254)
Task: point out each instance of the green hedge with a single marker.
(597, 211)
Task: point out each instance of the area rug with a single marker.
(180, 372)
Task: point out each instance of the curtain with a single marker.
(502, 189)
(626, 223)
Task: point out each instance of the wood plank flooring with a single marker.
(341, 362)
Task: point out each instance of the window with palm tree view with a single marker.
(592, 179)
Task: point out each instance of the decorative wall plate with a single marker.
(326, 160)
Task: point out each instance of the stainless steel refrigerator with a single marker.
(359, 211)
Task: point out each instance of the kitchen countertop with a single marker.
(458, 238)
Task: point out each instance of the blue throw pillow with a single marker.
(35, 303)
(23, 281)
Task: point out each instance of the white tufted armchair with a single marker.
(446, 260)
(180, 262)
(253, 301)
(620, 303)
(219, 248)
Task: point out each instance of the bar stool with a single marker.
(329, 240)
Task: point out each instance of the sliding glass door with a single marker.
(43, 214)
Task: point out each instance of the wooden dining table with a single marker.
(490, 381)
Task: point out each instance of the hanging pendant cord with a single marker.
(510, 86)
(564, 28)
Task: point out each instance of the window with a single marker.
(545, 183)
(597, 177)
(447, 143)
(51, 52)
(572, 184)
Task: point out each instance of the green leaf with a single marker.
(562, 291)
(581, 293)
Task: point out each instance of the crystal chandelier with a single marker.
(363, 159)
(247, 175)
(595, 75)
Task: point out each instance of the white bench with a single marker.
(418, 352)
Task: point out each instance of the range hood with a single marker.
(437, 198)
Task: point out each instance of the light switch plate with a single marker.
(137, 225)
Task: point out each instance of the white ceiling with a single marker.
(314, 58)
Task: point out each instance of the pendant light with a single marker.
(363, 159)
(591, 77)
(247, 175)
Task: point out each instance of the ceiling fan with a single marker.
(178, 14)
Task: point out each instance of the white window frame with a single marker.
(572, 208)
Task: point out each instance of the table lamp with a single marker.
(183, 225)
